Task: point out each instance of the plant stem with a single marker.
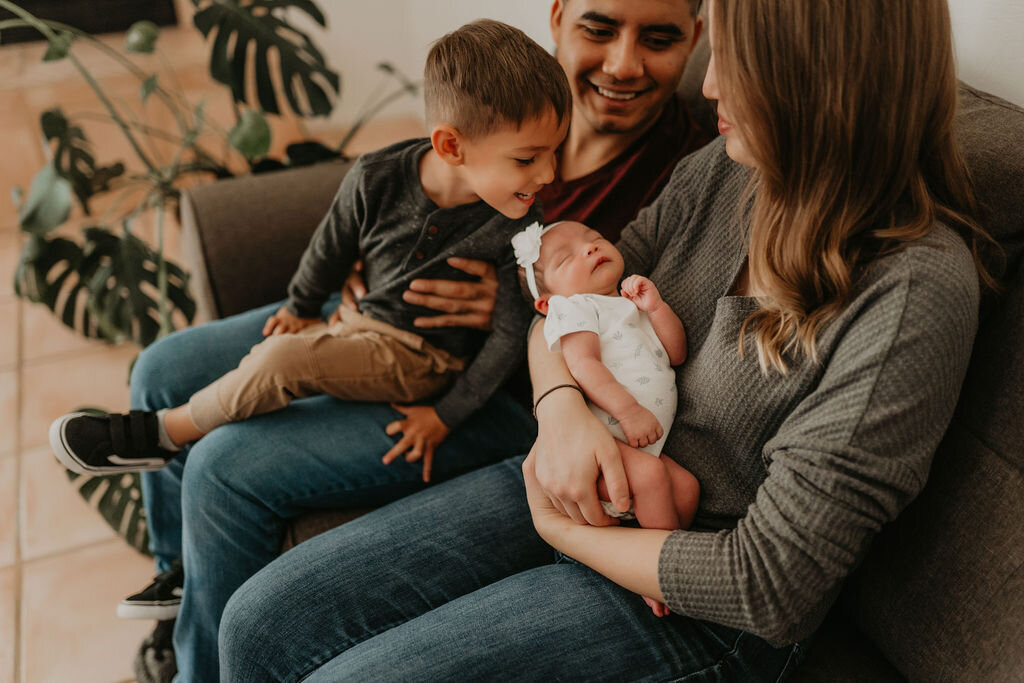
(44, 28)
(161, 271)
(361, 121)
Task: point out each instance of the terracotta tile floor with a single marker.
(62, 571)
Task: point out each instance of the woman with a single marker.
(830, 305)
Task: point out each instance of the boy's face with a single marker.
(575, 260)
(623, 58)
(506, 168)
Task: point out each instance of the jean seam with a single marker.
(721, 660)
(316, 665)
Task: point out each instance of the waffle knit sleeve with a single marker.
(852, 454)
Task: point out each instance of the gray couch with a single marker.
(940, 595)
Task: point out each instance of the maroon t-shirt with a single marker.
(610, 197)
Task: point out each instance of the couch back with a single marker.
(941, 591)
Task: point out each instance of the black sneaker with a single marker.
(154, 662)
(108, 444)
(159, 600)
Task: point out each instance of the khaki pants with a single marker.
(357, 359)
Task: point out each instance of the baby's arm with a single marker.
(582, 352)
(664, 320)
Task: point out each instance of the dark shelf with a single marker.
(94, 16)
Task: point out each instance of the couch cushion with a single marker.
(941, 593)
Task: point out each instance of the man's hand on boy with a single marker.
(286, 322)
(641, 292)
(640, 426)
(352, 291)
(422, 431)
(462, 304)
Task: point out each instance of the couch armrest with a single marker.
(243, 237)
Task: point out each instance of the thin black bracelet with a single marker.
(557, 386)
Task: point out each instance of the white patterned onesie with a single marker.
(630, 349)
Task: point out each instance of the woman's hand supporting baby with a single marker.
(573, 448)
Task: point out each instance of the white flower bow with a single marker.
(526, 246)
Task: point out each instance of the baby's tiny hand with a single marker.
(641, 292)
(286, 322)
(640, 426)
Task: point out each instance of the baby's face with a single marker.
(577, 260)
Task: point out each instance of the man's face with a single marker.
(623, 58)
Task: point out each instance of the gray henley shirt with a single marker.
(382, 215)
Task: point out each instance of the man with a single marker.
(624, 59)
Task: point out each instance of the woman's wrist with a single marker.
(550, 391)
(558, 405)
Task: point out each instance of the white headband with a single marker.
(526, 245)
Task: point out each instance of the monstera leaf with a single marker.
(73, 158)
(302, 66)
(97, 288)
(118, 500)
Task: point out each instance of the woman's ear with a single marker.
(447, 142)
(541, 304)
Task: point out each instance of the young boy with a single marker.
(620, 349)
(499, 106)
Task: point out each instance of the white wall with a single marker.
(989, 38)
(362, 33)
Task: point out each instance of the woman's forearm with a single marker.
(627, 556)
(547, 368)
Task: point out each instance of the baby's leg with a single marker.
(650, 487)
(685, 490)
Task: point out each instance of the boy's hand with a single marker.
(286, 322)
(640, 426)
(422, 432)
(641, 292)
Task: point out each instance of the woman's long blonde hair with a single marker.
(847, 107)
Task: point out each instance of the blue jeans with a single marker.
(223, 505)
(453, 583)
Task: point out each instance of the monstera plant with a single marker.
(102, 279)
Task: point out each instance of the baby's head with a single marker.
(499, 106)
(565, 258)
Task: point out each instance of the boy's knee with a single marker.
(281, 356)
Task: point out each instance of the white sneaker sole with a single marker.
(68, 459)
(152, 610)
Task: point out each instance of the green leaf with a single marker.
(251, 135)
(301, 64)
(17, 194)
(148, 87)
(141, 37)
(73, 158)
(58, 48)
(96, 289)
(48, 204)
(118, 500)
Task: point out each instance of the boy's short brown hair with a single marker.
(486, 75)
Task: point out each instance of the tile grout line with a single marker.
(18, 410)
